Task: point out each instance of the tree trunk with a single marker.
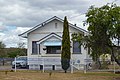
(99, 64)
(65, 71)
(118, 41)
(113, 55)
(98, 61)
(3, 61)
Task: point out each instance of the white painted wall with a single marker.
(41, 32)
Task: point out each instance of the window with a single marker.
(34, 47)
(55, 25)
(76, 48)
(53, 49)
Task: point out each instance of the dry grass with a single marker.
(38, 75)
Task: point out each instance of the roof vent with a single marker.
(74, 24)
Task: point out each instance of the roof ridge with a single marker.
(54, 17)
(48, 20)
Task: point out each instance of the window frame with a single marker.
(79, 47)
(52, 47)
(34, 48)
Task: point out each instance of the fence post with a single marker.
(15, 64)
(38, 64)
(71, 66)
(43, 65)
(85, 66)
(85, 69)
(114, 66)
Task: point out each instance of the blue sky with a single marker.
(17, 16)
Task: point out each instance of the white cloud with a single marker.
(2, 27)
(28, 13)
(1, 36)
(11, 38)
(78, 19)
(100, 3)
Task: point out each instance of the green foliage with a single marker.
(65, 56)
(104, 27)
(2, 50)
(77, 37)
(12, 52)
(104, 65)
(65, 64)
(17, 52)
(2, 45)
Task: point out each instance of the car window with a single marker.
(21, 58)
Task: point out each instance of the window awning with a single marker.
(52, 43)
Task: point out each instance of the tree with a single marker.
(19, 51)
(104, 27)
(114, 32)
(2, 50)
(66, 55)
(2, 45)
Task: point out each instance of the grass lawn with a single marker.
(38, 75)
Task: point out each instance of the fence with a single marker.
(44, 63)
(102, 65)
(6, 63)
(54, 63)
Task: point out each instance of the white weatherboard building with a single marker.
(45, 41)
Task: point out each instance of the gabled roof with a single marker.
(47, 21)
(49, 36)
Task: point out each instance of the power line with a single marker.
(76, 15)
(85, 13)
(112, 2)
